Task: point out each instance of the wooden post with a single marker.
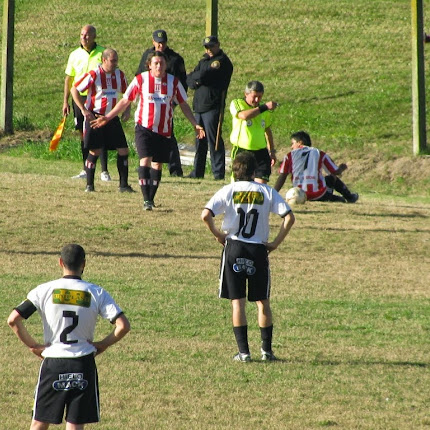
(6, 92)
(418, 79)
(211, 18)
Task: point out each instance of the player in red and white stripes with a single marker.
(105, 86)
(155, 92)
(305, 165)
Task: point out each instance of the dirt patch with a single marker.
(411, 169)
(20, 137)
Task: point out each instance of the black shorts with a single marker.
(69, 384)
(111, 136)
(150, 144)
(244, 263)
(264, 162)
(79, 118)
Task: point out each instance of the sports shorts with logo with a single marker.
(110, 136)
(67, 384)
(151, 144)
(244, 264)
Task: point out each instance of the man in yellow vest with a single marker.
(83, 59)
(251, 129)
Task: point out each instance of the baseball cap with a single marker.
(159, 36)
(210, 41)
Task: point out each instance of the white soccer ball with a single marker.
(295, 196)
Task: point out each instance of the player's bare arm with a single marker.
(270, 145)
(88, 115)
(341, 169)
(280, 181)
(209, 221)
(283, 232)
(101, 120)
(122, 327)
(255, 111)
(126, 114)
(67, 86)
(16, 323)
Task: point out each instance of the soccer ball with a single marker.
(295, 196)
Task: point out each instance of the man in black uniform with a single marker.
(210, 80)
(176, 67)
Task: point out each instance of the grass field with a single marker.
(350, 302)
(350, 284)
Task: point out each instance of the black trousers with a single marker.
(209, 121)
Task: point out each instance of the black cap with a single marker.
(210, 41)
(159, 36)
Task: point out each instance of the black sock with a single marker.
(266, 338)
(241, 335)
(85, 152)
(155, 182)
(104, 159)
(122, 165)
(90, 168)
(144, 181)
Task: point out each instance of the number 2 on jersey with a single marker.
(69, 328)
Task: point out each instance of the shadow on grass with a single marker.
(114, 254)
(325, 362)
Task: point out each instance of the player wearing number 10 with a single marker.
(246, 206)
(69, 308)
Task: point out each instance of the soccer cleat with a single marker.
(240, 356)
(82, 175)
(267, 356)
(126, 189)
(353, 198)
(89, 189)
(104, 176)
(147, 205)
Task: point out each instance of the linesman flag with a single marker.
(57, 135)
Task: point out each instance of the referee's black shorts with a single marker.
(241, 264)
(264, 162)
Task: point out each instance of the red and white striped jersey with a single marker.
(305, 165)
(104, 89)
(155, 98)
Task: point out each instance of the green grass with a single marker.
(350, 284)
(340, 69)
(350, 302)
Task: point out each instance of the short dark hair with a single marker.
(302, 136)
(73, 256)
(154, 54)
(256, 86)
(244, 165)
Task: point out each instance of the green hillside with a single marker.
(341, 70)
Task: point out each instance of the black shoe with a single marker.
(176, 174)
(89, 189)
(126, 189)
(353, 198)
(147, 205)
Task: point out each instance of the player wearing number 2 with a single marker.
(246, 206)
(69, 308)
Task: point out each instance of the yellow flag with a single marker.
(57, 135)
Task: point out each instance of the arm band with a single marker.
(263, 108)
(26, 309)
